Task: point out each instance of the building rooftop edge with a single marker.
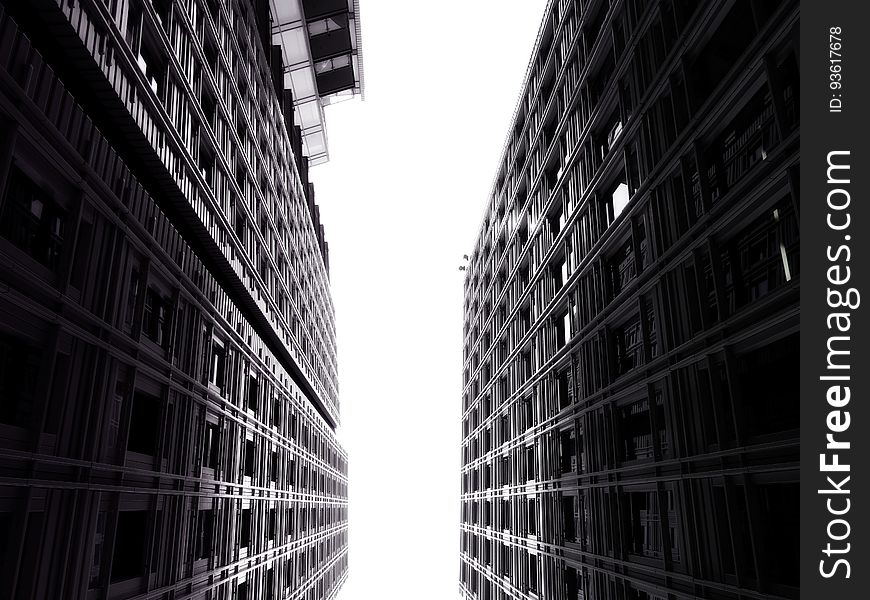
(290, 30)
(506, 145)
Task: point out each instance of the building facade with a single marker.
(630, 404)
(168, 389)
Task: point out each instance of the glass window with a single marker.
(19, 370)
(144, 423)
(156, 318)
(130, 539)
(32, 221)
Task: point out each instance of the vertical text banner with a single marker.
(835, 362)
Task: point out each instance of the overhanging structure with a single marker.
(322, 56)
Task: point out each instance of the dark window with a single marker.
(5, 535)
(19, 371)
(568, 456)
(241, 224)
(270, 584)
(163, 9)
(646, 534)
(556, 220)
(532, 514)
(253, 389)
(276, 412)
(134, 25)
(569, 518)
(132, 295)
(249, 458)
(732, 37)
(32, 221)
(156, 318)
(82, 256)
(245, 530)
(720, 512)
(734, 536)
(571, 580)
(530, 462)
(206, 102)
(533, 572)
(212, 445)
(629, 346)
(217, 373)
(205, 534)
(152, 62)
(144, 423)
(205, 160)
(563, 327)
(529, 409)
(130, 538)
(789, 82)
(770, 403)
(637, 432)
(761, 258)
(780, 532)
(632, 160)
(563, 389)
(621, 269)
(745, 142)
(616, 199)
(652, 338)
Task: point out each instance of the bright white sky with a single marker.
(401, 199)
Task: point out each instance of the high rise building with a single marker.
(168, 389)
(630, 424)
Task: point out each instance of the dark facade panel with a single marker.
(335, 39)
(335, 80)
(316, 9)
(633, 291)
